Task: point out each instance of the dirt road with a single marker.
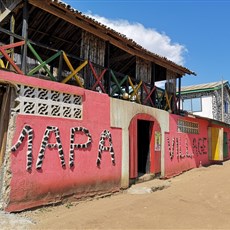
(198, 199)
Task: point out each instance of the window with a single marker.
(225, 106)
(192, 105)
(187, 105)
(187, 127)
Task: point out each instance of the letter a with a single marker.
(27, 130)
(105, 135)
(77, 146)
(45, 144)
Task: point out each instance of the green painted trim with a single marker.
(220, 123)
(205, 89)
(198, 90)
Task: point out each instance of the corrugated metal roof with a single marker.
(203, 87)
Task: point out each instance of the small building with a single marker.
(209, 100)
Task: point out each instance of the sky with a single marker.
(194, 34)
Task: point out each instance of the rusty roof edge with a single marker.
(135, 45)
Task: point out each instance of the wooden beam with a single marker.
(12, 27)
(9, 9)
(5, 108)
(107, 65)
(60, 65)
(25, 36)
(4, 53)
(10, 46)
(153, 80)
(179, 94)
(121, 58)
(50, 36)
(10, 33)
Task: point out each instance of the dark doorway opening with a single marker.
(143, 143)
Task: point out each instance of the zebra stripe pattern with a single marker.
(105, 135)
(27, 130)
(45, 144)
(78, 146)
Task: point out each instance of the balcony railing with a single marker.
(98, 78)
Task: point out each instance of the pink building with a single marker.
(74, 125)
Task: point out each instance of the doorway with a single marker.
(144, 162)
(143, 143)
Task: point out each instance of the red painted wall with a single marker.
(184, 151)
(51, 183)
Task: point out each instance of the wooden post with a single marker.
(153, 79)
(142, 95)
(4, 122)
(222, 100)
(179, 94)
(87, 79)
(12, 27)
(107, 64)
(25, 36)
(59, 76)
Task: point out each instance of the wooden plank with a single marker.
(43, 64)
(10, 46)
(72, 69)
(10, 33)
(9, 9)
(4, 123)
(12, 28)
(75, 71)
(25, 36)
(10, 61)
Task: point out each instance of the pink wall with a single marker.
(184, 151)
(33, 187)
(51, 183)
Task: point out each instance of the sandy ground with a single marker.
(197, 199)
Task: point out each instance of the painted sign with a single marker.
(28, 131)
(157, 141)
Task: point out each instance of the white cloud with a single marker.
(160, 84)
(148, 38)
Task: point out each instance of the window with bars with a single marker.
(187, 126)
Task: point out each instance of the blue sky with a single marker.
(195, 34)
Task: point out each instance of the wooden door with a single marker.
(215, 140)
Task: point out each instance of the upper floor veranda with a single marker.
(50, 40)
